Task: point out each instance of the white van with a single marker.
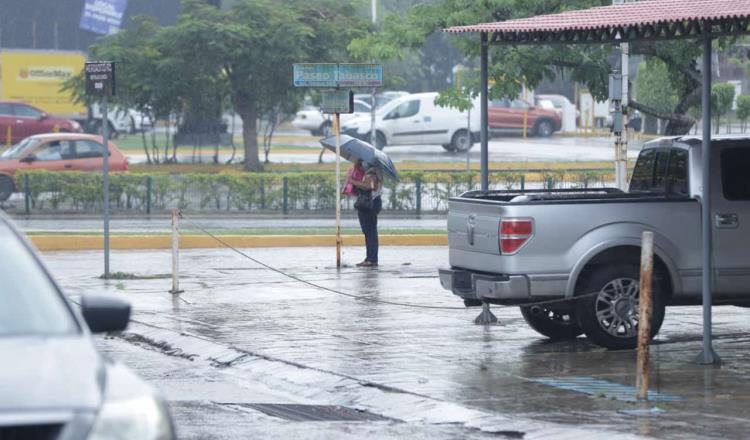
(416, 120)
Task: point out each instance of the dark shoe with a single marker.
(367, 264)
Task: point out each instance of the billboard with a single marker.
(35, 77)
(103, 16)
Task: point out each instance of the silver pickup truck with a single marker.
(517, 248)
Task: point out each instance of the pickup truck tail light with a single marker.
(514, 233)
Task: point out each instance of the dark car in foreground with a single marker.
(54, 384)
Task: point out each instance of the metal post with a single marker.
(175, 252)
(373, 132)
(149, 185)
(337, 123)
(105, 170)
(468, 129)
(644, 315)
(484, 139)
(707, 355)
(26, 194)
(285, 191)
(523, 182)
(418, 189)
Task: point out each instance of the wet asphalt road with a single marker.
(241, 335)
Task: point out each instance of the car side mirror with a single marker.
(43, 116)
(104, 313)
(28, 159)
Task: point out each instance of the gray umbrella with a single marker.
(353, 149)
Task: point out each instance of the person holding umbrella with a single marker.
(368, 205)
(378, 165)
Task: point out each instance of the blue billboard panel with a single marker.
(103, 16)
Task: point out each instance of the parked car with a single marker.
(55, 383)
(416, 120)
(509, 114)
(121, 121)
(522, 247)
(19, 120)
(56, 152)
(319, 124)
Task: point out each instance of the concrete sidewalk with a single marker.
(425, 367)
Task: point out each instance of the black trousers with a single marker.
(368, 221)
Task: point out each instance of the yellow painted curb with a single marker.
(143, 242)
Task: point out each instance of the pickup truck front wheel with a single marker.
(609, 316)
(558, 325)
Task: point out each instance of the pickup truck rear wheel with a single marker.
(610, 317)
(544, 128)
(558, 325)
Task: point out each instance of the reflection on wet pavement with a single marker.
(434, 353)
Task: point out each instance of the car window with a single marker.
(361, 108)
(26, 111)
(660, 171)
(677, 172)
(735, 180)
(6, 109)
(518, 103)
(404, 110)
(86, 149)
(20, 148)
(643, 172)
(55, 150)
(29, 302)
(503, 103)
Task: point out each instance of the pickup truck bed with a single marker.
(522, 247)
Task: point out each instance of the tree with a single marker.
(252, 47)
(653, 88)
(513, 67)
(722, 97)
(743, 110)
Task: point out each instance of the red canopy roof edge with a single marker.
(623, 15)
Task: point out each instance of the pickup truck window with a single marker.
(735, 178)
(661, 171)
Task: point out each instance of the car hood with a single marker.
(50, 373)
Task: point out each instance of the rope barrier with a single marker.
(359, 297)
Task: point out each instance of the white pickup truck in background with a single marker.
(519, 248)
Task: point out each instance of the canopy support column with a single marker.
(484, 121)
(707, 355)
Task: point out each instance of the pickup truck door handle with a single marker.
(416, 121)
(470, 223)
(727, 221)
(68, 166)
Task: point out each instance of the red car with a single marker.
(507, 114)
(56, 152)
(24, 120)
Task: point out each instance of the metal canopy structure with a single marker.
(647, 20)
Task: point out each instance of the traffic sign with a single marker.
(100, 78)
(337, 101)
(360, 75)
(316, 75)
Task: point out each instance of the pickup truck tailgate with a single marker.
(471, 229)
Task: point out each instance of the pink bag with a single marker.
(357, 174)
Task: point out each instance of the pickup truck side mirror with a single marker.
(105, 313)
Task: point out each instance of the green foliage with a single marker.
(653, 86)
(722, 97)
(743, 110)
(231, 191)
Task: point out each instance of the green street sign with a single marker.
(316, 75)
(337, 101)
(360, 75)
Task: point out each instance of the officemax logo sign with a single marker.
(46, 73)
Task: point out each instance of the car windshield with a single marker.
(29, 303)
(19, 149)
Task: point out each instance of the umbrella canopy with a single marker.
(353, 149)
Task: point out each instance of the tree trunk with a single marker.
(249, 117)
(677, 123)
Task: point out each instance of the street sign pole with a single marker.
(105, 171)
(100, 81)
(337, 123)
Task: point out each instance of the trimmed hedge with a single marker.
(305, 191)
